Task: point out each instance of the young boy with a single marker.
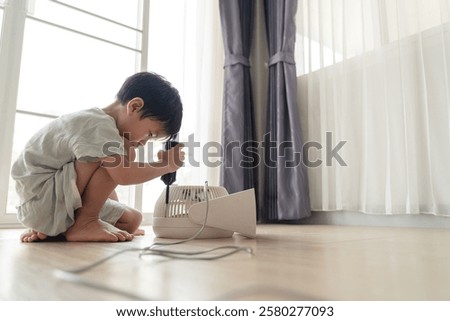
(68, 171)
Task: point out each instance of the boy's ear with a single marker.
(135, 105)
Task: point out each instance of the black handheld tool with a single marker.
(169, 178)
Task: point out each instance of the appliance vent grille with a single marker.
(181, 198)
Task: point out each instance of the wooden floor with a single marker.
(290, 262)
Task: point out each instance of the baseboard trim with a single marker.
(343, 218)
(362, 219)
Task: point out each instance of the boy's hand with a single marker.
(172, 158)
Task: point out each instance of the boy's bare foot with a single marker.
(96, 231)
(32, 236)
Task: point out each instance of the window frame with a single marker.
(14, 17)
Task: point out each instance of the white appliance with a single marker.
(188, 206)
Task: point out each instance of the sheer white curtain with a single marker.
(185, 46)
(376, 74)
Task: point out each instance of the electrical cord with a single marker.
(205, 190)
(153, 249)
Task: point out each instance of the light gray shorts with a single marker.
(52, 210)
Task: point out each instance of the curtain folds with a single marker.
(286, 192)
(375, 74)
(238, 171)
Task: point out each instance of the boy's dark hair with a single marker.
(161, 100)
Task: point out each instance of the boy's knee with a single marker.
(132, 219)
(137, 218)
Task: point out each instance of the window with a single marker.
(74, 55)
(330, 31)
(1, 17)
(406, 18)
(93, 45)
(186, 47)
(167, 31)
(32, 124)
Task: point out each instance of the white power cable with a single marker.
(72, 275)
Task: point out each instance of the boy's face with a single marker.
(138, 131)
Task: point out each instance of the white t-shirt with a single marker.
(44, 172)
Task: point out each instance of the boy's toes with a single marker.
(41, 236)
(32, 236)
(120, 236)
(110, 237)
(24, 236)
(124, 236)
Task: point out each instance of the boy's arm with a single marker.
(126, 172)
(113, 196)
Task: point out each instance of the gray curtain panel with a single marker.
(286, 193)
(240, 156)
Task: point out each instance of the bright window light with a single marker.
(72, 60)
